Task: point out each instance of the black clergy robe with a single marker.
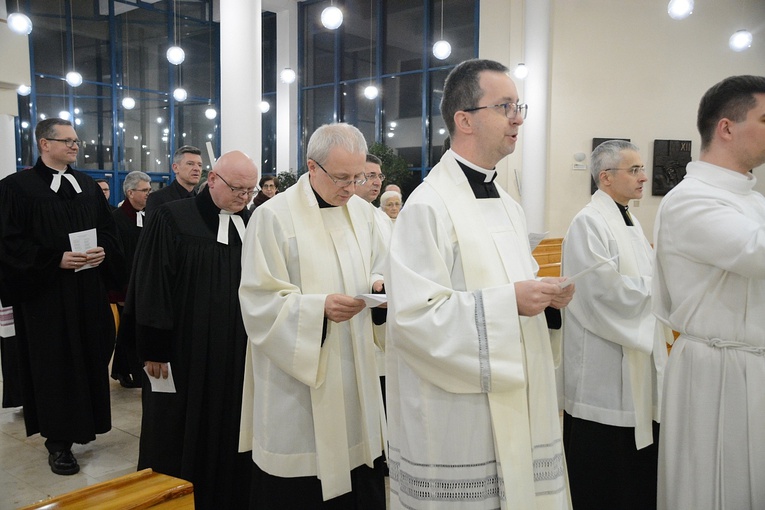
(125, 365)
(170, 193)
(64, 326)
(184, 299)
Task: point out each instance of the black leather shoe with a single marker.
(63, 463)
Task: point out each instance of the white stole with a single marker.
(638, 363)
(55, 184)
(315, 254)
(517, 427)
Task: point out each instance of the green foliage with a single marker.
(394, 167)
(286, 179)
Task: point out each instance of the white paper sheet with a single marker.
(159, 385)
(572, 279)
(373, 300)
(81, 242)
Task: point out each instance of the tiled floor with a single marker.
(25, 477)
(24, 473)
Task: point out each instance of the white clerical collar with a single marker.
(223, 221)
(55, 184)
(139, 216)
(488, 173)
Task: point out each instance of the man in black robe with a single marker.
(187, 165)
(64, 326)
(129, 219)
(183, 295)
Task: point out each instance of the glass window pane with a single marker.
(359, 59)
(438, 132)
(269, 52)
(318, 47)
(145, 141)
(403, 35)
(319, 109)
(268, 149)
(402, 104)
(193, 128)
(358, 110)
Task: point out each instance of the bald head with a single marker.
(235, 170)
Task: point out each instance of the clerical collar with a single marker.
(477, 179)
(625, 214)
(488, 174)
(323, 204)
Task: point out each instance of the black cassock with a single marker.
(64, 326)
(125, 365)
(184, 299)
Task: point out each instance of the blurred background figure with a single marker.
(390, 202)
(269, 186)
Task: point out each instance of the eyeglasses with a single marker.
(147, 190)
(344, 183)
(372, 177)
(68, 141)
(269, 186)
(633, 170)
(511, 109)
(237, 191)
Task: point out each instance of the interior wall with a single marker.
(626, 69)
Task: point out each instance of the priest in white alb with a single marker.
(614, 349)
(709, 285)
(472, 408)
(312, 407)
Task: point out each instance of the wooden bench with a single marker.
(136, 491)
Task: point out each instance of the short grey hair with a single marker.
(185, 149)
(133, 178)
(608, 155)
(329, 136)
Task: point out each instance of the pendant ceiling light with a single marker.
(740, 40)
(371, 91)
(680, 9)
(73, 78)
(332, 17)
(24, 90)
(288, 75)
(180, 94)
(19, 23)
(442, 49)
(521, 71)
(128, 102)
(265, 106)
(175, 54)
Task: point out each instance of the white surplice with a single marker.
(614, 349)
(709, 284)
(472, 412)
(310, 409)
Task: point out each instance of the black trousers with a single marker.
(605, 470)
(270, 492)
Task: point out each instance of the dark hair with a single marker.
(267, 178)
(47, 128)
(730, 99)
(185, 149)
(371, 158)
(102, 180)
(462, 88)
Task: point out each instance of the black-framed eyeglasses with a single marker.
(242, 192)
(344, 183)
(511, 109)
(372, 177)
(68, 142)
(633, 170)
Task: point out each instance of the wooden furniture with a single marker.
(136, 491)
(548, 255)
